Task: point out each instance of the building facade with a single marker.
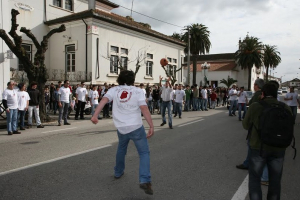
(96, 44)
(221, 67)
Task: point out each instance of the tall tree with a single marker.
(271, 58)
(228, 82)
(177, 36)
(249, 54)
(36, 70)
(199, 43)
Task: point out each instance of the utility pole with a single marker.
(188, 59)
(131, 8)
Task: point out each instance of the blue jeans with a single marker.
(265, 175)
(178, 108)
(195, 103)
(187, 105)
(246, 162)
(233, 105)
(244, 108)
(204, 104)
(200, 104)
(63, 112)
(138, 136)
(274, 161)
(12, 120)
(150, 106)
(164, 105)
(21, 115)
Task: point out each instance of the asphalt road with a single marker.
(195, 160)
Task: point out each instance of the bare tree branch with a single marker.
(31, 36)
(14, 27)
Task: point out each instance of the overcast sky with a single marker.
(274, 22)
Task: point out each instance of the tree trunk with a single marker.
(194, 69)
(249, 78)
(267, 74)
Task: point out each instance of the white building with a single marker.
(222, 66)
(95, 38)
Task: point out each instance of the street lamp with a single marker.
(205, 66)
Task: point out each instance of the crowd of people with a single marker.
(128, 103)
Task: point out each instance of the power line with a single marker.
(151, 17)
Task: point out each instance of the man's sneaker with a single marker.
(99, 118)
(241, 166)
(163, 123)
(22, 128)
(67, 123)
(29, 126)
(175, 115)
(266, 183)
(147, 188)
(10, 133)
(171, 127)
(59, 124)
(40, 126)
(16, 132)
(179, 117)
(117, 177)
(82, 118)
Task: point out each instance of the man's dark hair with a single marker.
(33, 83)
(275, 83)
(126, 77)
(59, 82)
(21, 85)
(66, 81)
(269, 89)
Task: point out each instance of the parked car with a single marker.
(284, 90)
(279, 91)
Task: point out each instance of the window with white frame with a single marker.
(57, 3)
(149, 68)
(124, 51)
(169, 59)
(124, 61)
(28, 50)
(114, 49)
(149, 65)
(114, 59)
(69, 5)
(70, 57)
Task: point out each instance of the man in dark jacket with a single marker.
(34, 101)
(270, 155)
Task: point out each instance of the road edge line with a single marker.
(242, 192)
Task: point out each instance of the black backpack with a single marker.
(276, 126)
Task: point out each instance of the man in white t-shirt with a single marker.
(23, 104)
(167, 98)
(94, 97)
(179, 99)
(10, 103)
(81, 95)
(233, 100)
(242, 103)
(292, 100)
(64, 100)
(129, 102)
(204, 98)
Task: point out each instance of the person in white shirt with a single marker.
(292, 100)
(10, 103)
(242, 103)
(64, 99)
(166, 95)
(179, 99)
(129, 102)
(81, 95)
(204, 98)
(233, 100)
(23, 103)
(94, 97)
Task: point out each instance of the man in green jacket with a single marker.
(187, 98)
(273, 156)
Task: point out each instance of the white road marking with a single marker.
(52, 160)
(242, 192)
(59, 130)
(190, 123)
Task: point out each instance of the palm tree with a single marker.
(249, 54)
(199, 43)
(271, 58)
(177, 36)
(228, 82)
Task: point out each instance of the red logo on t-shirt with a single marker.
(124, 95)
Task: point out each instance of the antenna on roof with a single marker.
(131, 8)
